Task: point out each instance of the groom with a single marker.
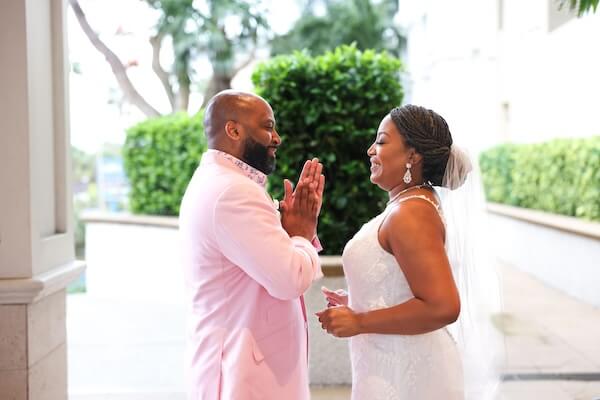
(245, 267)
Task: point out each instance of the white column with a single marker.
(36, 233)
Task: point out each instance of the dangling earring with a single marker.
(407, 174)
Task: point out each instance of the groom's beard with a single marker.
(256, 155)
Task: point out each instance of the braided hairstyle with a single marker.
(428, 133)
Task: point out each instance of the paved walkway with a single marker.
(552, 342)
(117, 351)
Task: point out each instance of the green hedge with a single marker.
(330, 107)
(561, 176)
(160, 156)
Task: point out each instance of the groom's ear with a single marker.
(232, 130)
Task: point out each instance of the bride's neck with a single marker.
(397, 190)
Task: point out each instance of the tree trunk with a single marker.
(156, 42)
(217, 84)
(183, 96)
(118, 69)
(222, 81)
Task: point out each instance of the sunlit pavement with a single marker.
(133, 351)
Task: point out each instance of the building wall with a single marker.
(502, 70)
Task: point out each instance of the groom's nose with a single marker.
(275, 138)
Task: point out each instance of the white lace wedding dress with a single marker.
(390, 367)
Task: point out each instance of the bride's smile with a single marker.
(389, 155)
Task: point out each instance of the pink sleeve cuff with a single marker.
(310, 247)
(317, 244)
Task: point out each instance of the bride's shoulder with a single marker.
(415, 212)
(413, 209)
(410, 224)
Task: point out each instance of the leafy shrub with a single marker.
(160, 156)
(497, 165)
(330, 107)
(560, 176)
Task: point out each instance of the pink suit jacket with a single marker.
(247, 336)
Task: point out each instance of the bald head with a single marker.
(229, 105)
(242, 124)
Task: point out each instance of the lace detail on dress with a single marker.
(394, 367)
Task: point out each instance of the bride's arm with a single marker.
(414, 234)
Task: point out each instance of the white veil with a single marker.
(480, 344)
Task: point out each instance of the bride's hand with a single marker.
(335, 298)
(340, 321)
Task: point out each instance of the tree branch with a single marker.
(116, 65)
(245, 63)
(156, 42)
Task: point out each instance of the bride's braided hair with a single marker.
(428, 133)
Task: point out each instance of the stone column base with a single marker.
(33, 351)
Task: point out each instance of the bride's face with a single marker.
(388, 155)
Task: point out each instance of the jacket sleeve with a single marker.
(249, 234)
(317, 244)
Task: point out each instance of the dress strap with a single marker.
(427, 199)
(419, 196)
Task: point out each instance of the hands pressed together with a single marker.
(301, 206)
(300, 210)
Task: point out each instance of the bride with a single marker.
(407, 272)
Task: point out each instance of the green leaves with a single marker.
(160, 156)
(561, 176)
(329, 107)
(367, 23)
(224, 31)
(581, 6)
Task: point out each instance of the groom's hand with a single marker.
(335, 298)
(300, 218)
(340, 321)
(311, 173)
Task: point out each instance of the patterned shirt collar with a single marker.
(246, 169)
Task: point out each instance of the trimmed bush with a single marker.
(160, 156)
(560, 176)
(330, 107)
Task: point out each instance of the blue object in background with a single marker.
(113, 186)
